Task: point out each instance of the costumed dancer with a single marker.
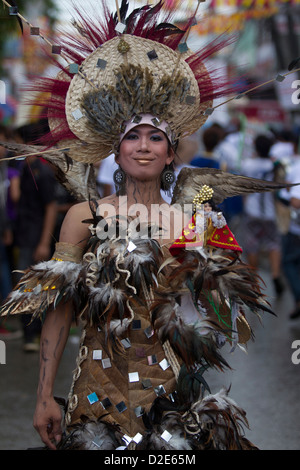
(153, 321)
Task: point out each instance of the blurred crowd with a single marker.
(33, 204)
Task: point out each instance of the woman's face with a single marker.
(144, 152)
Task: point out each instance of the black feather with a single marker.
(293, 64)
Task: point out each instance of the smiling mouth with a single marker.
(144, 160)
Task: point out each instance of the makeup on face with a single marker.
(144, 152)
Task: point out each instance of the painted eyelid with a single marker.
(130, 135)
(156, 136)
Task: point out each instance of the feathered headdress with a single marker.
(120, 66)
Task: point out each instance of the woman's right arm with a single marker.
(55, 331)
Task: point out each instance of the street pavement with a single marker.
(264, 381)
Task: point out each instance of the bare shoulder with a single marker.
(73, 229)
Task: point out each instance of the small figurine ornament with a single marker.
(207, 227)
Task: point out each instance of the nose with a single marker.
(144, 143)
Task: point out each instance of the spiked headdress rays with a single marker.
(123, 65)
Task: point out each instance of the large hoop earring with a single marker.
(119, 178)
(167, 178)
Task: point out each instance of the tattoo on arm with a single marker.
(59, 340)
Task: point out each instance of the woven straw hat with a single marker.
(126, 76)
(78, 150)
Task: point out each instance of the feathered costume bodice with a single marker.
(151, 327)
(152, 324)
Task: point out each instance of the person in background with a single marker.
(283, 149)
(291, 240)
(207, 157)
(9, 197)
(260, 228)
(35, 222)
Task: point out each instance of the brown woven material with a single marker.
(113, 382)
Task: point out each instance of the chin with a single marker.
(144, 178)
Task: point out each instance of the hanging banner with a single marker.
(216, 20)
(218, 24)
(222, 4)
(219, 4)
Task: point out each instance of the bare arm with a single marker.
(55, 331)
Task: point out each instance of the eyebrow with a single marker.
(151, 131)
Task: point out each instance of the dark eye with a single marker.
(156, 138)
(131, 136)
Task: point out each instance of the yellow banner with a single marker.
(251, 3)
(219, 24)
(217, 4)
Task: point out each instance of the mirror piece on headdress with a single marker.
(208, 111)
(77, 114)
(34, 31)
(183, 47)
(152, 54)
(101, 63)
(120, 28)
(156, 121)
(73, 68)
(13, 10)
(56, 49)
(191, 100)
(136, 119)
